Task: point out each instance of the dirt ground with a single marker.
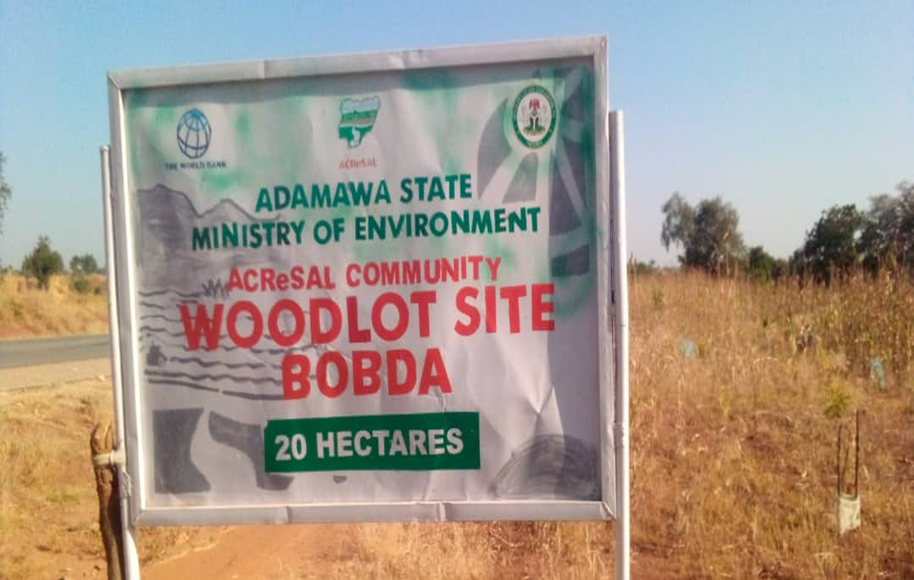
(70, 371)
(265, 552)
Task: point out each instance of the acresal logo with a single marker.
(357, 119)
(534, 116)
(194, 133)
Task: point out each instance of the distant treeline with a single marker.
(843, 240)
(44, 261)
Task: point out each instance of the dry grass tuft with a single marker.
(26, 311)
(432, 551)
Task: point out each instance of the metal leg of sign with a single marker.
(620, 291)
(131, 560)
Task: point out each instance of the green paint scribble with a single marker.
(438, 91)
(576, 290)
(243, 126)
(494, 246)
(432, 79)
(166, 115)
(575, 102)
(220, 181)
(134, 99)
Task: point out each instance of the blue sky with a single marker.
(783, 108)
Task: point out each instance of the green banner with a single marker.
(414, 442)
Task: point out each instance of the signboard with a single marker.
(366, 287)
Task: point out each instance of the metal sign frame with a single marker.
(613, 309)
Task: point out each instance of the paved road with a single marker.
(41, 351)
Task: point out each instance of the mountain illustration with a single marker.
(165, 222)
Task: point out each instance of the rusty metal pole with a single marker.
(838, 463)
(857, 455)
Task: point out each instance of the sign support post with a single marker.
(620, 305)
(131, 561)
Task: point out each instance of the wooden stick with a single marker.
(838, 462)
(847, 456)
(109, 512)
(857, 455)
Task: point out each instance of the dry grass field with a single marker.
(734, 450)
(27, 311)
(737, 393)
(48, 507)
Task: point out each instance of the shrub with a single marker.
(837, 400)
(43, 262)
(80, 283)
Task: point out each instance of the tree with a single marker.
(763, 266)
(831, 245)
(84, 264)
(888, 230)
(678, 221)
(43, 262)
(6, 192)
(708, 234)
(797, 265)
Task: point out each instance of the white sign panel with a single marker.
(367, 287)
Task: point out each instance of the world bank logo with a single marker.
(194, 133)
